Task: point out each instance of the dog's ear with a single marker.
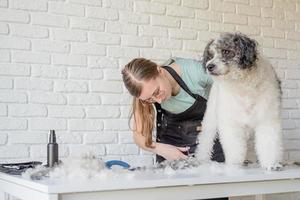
(206, 55)
(247, 49)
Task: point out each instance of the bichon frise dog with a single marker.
(245, 98)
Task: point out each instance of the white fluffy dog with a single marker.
(245, 98)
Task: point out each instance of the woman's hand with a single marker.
(170, 152)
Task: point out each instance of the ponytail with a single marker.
(145, 114)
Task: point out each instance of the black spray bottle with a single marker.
(52, 150)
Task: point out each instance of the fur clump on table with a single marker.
(86, 166)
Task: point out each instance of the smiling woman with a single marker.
(175, 94)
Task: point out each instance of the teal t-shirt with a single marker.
(197, 80)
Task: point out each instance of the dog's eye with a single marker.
(227, 53)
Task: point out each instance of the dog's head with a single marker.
(231, 52)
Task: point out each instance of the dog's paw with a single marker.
(275, 167)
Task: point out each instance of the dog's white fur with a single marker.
(241, 102)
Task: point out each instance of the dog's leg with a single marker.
(268, 144)
(234, 143)
(206, 142)
(209, 128)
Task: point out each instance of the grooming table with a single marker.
(176, 186)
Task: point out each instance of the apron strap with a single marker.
(180, 81)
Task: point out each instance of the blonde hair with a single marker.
(136, 71)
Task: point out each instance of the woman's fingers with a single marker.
(183, 149)
(177, 156)
(183, 156)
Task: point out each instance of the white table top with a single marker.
(149, 179)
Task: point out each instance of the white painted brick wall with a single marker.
(71, 60)
(60, 66)
(49, 20)
(50, 46)
(23, 30)
(12, 15)
(12, 43)
(108, 137)
(33, 5)
(27, 110)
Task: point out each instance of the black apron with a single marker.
(182, 129)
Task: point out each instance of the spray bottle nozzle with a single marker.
(52, 137)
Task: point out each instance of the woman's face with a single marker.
(156, 90)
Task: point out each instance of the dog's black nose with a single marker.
(210, 67)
